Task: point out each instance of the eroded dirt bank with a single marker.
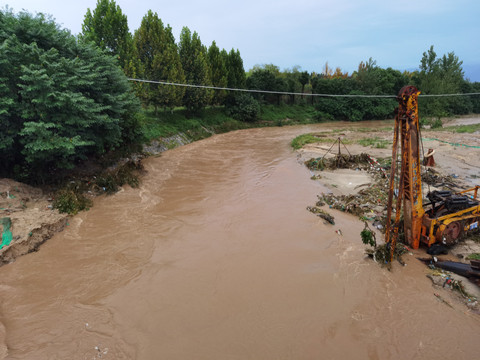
(216, 257)
(34, 221)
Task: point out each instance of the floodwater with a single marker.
(216, 257)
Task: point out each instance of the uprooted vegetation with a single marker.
(76, 195)
(369, 202)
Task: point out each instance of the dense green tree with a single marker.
(219, 73)
(304, 79)
(291, 77)
(193, 56)
(440, 75)
(158, 60)
(107, 27)
(64, 100)
(268, 77)
(236, 72)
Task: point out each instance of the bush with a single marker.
(71, 201)
(437, 123)
(434, 124)
(110, 180)
(243, 107)
(323, 116)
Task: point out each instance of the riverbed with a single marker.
(216, 257)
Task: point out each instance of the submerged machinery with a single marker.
(447, 216)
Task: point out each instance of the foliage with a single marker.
(440, 75)
(437, 123)
(236, 72)
(111, 179)
(219, 73)
(167, 123)
(158, 59)
(71, 201)
(193, 56)
(107, 27)
(433, 123)
(369, 80)
(368, 236)
(243, 107)
(64, 100)
(295, 113)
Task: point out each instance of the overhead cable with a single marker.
(286, 92)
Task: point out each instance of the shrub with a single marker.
(71, 201)
(243, 107)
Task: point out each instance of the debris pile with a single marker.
(340, 161)
(444, 279)
(368, 203)
(434, 178)
(322, 214)
(381, 253)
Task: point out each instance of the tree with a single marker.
(193, 56)
(159, 60)
(219, 73)
(107, 27)
(268, 77)
(65, 100)
(304, 78)
(440, 76)
(236, 72)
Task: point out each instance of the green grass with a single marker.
(465, 128)
(302, 114)
(302, 140)
(214, 120)
(375, 142)
(167, 123)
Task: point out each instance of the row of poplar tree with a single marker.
(151, 53)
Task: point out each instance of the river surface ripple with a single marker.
(216, 257)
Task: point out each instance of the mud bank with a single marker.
(32, 217)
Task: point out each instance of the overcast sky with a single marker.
(307, 33)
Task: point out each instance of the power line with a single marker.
(288, 93)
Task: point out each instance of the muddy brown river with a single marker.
(216, 257)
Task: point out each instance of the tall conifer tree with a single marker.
(107, 27)
(160, 61)
(193, 56)
(219, 74)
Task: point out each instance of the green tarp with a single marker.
(7, 233)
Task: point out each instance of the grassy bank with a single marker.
(214, 120)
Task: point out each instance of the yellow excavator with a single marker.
(447, 216)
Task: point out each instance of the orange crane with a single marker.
(448, 215)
